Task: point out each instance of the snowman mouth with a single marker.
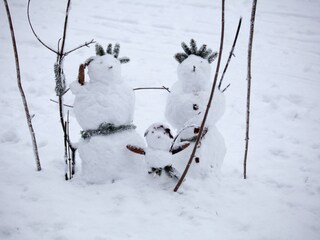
(110, 67)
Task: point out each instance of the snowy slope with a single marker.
(281, 197)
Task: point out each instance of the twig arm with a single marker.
(86, 44)
(152, 88)
(136, 149)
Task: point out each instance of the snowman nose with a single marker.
(194, 68)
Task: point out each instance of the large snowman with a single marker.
(104, 108)
(186, 106)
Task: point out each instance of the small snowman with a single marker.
(186, 105)
(159, 151)
(104, 109)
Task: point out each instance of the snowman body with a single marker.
(185, 109)
(106, 99)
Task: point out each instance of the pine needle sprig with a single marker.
(202, 50)
(180, 57)
(60, 80)
(185, 48)
(193, 46)
(109, 48)
(206, 53)
(99, 50)
(124, 60)
(116, 50)
(212, 57)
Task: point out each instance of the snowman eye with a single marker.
(152, 132)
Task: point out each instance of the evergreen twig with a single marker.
(253, 13)
(24, 100)
(208, 106)
(230, 55)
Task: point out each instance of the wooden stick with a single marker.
(208, 106)
(253, 13)
(230, 55)
(149, 88)
(66, 105)
(60, 57)
(24, 100)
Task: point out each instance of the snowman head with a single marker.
(158, 136)
(106, 66)
(194, 66)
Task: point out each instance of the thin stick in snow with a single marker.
(253, 13)
(24, 100)
(230, 56)
(208, 106)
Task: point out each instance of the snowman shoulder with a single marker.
(77, 88)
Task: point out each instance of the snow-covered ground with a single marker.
(281, 197)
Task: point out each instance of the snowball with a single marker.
(194, 74)
(158, 158)
(211, 154)
(190, 107)
(158, 136)
(98, 103)
(106, 158)
(106, 69)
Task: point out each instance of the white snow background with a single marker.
(280, 199)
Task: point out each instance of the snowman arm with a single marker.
(180, 147)
(152, 88)
(204, 132)
(135, 149)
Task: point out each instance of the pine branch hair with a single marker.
(115, 52)
(203, 52)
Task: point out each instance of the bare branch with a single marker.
(86, 44)
(226, 88)
(253, 14)
(64, 30)
(24, 100)
(149, 88)
(66, 105)
(230, 55)
(208, 106)
(34, 33)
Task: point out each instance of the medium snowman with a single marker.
(104, 109)
(186, 106)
